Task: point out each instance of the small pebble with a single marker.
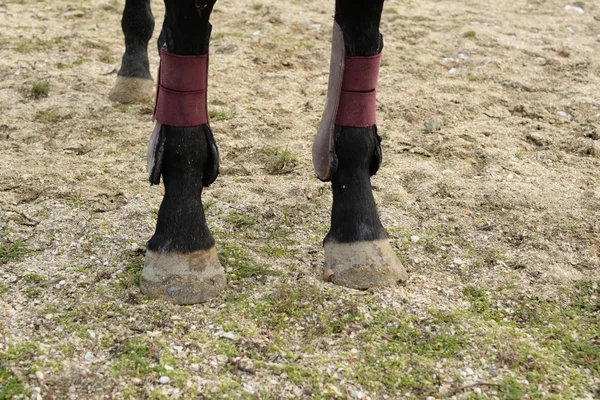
(163, 380)
(227, 335)
(328, 275)
(89, 356)
(39, 375)
(452, 70)
(565, 114)
(222, 358)
(477, 390)
(414, 239)
(357, 395)
(574, 8)
(433, 125)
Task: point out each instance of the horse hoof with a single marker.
(363, 265)
(129, 90)
(183, 278)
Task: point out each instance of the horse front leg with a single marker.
(134, 82)
(181, 261)
(347, 152)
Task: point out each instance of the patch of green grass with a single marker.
(208, 204)
(76, 63)
(19, 352)
(33, 278)
(241, 265)
(39, 89)
(50, 115)
(11, 386)
(241, 220)
(469, 34)
(220, 115)
(134, 358)
(510, 389)
(132, 271)
(257, 6)
(35, 44)
(32, 292)
(14, 251)
(480, 303)
(587, 296)
(278, 161)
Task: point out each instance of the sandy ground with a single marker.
(491, 123)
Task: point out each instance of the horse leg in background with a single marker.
(181, 261)
(134, 81)
(347, 152)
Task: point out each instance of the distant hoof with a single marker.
(362, 265)
(129, 90)
(183, 278)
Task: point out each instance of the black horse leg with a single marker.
(134, 81)
(357, 250)
(181, 261)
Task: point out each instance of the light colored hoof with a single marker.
(183, 278)
(129, 90)
(362, 265)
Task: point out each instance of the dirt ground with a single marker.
(490, 117)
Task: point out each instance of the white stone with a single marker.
(222, 358)
(357, 395)
(414, 239)
(565, 114)
(163, 380)
(39, 375)
(574, 8)
(227, 335)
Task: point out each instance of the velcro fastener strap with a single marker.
(182, 90)
(358, 97)
(181, 109)
(361, 73)
(357, 109)
(183, 73)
